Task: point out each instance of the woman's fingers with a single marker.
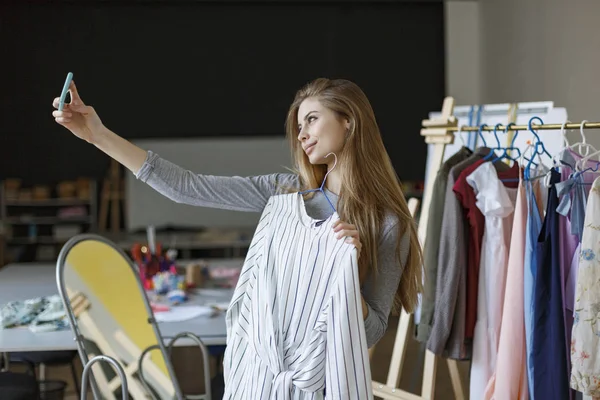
(62, 116)
(337, 226)
(347, 233)
(75, 99)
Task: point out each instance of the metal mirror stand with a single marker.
(205, 360)
(115, 364)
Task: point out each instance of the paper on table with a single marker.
(183, 313)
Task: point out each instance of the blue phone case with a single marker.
(63, 95)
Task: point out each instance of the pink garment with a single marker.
(509, 381)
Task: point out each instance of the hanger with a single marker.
(323, 184)
(538, 146)
(583, 142)
(556, 162)
(480, 134)
(563, 134)
(511, 147)
(498, 147)
(458, 133)
(579, 164)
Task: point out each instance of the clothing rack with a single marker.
(502, 128)
(439, 132)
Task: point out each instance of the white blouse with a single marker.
(585, 340)
(295, 325)
(497, 203)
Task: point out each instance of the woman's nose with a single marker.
(302, 135)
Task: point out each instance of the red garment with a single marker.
(476, 223)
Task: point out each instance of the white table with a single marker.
(28, 280)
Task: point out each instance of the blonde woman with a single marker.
(326, 116)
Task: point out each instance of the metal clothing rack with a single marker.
(502, 128)
(439, 132)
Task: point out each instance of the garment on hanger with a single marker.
(585, 342)
(573, 192)
(447, 338)
(476, 222)
(432, 241)
(496, 203)
(533, 228)
(510, 377)
(295, 321)
(530, 261)
(549, 358)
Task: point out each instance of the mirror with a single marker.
(110, 315)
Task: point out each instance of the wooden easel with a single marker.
(112, 194)
(436, 133)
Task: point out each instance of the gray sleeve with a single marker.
(380, 289)
(430, 254)
(451, 261)
(225, 192)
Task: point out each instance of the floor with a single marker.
(410, 381)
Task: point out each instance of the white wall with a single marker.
(529, 50)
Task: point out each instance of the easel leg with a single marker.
(455, 379)
(429, 375)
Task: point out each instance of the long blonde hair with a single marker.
(370, 185)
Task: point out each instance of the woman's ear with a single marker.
(347, 124)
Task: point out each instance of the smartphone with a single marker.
(63, 95)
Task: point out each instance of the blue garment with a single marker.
(532, 229)
(549, 353)
(573, 195)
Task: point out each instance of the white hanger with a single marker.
(581, 163)
(458, 133)
(556, 156)
(564, 135)
(584, 142)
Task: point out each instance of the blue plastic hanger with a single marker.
(539, 144)
(481, 134)
(498, 147)
(539, 147)
(512, 146)
(323, 184)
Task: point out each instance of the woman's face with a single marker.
(321, 131)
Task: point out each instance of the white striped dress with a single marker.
(295, 320)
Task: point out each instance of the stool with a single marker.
(18, 386)
(48, 358)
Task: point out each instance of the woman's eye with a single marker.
(311, 119)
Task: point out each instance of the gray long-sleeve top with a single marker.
(252, 193)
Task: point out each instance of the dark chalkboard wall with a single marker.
(194, 69)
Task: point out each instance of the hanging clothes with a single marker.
(573, 191)
(432, 241)
(464, 193)
(533, 229)
(509, 381)
(447, 337)
(549, 358)
(585, 342)
(295, 320)
(496, 203)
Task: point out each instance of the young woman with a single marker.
(326, 116)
